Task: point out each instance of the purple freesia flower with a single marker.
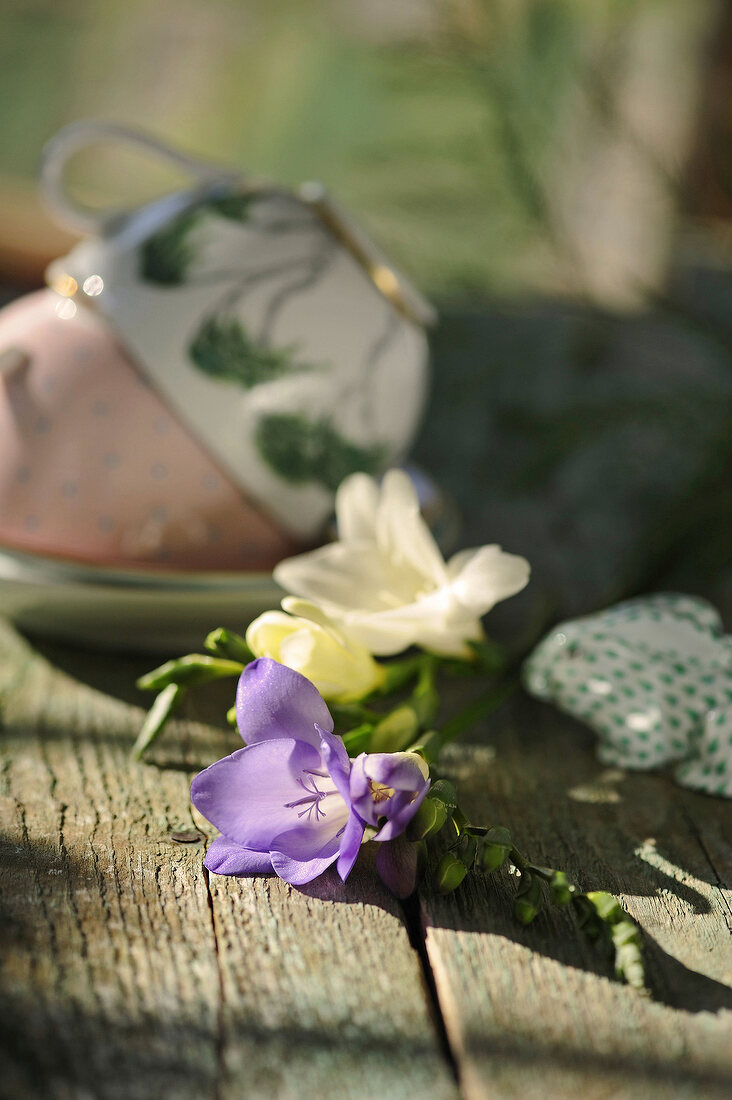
(387, 789)
(283, 802)
(292, 801)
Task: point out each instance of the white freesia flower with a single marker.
(385, 582)
(341, 669)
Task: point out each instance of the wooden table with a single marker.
(129, 972)
(600, 448)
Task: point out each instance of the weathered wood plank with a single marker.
(532, 1011)
(326, 978)
(126, 974)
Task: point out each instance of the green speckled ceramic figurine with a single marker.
(653, 678)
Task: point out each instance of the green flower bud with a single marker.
(494, 848)
(450, 873)
(628, 953)
(607, 907)
(561, 888)
(225, 643)
(528, 899)
(444, 792)
(428, 820)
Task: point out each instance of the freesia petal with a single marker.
(273, 701)
(403, 810)
(388, 588)
(356, 502)
(337, 576)
(298, 872)
(246, 795)
(402, 533)
(310, 838)
(224, 857)
(459, 560)
(397, 863)
(338, 667)
(306, 609)
(350, 845)
(381, 635)
(337, 762)
(488, 576)
(405, 771)
(267, 632)
(372, 774)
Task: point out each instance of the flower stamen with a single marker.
(379, 791)
(311, 801)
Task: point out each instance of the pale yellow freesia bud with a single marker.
(341, 669)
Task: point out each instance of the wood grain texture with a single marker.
(529, 1010)
(126, 973)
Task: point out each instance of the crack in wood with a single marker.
(720, 884)
(220, 1007)
(417, 932)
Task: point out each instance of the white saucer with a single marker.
(128, 609)
(154, 611)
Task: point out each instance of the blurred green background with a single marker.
(556, 174)
(492, 145)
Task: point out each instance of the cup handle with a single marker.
(78, 135)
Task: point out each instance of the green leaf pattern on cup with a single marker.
(298, 449)
(223, 349)
(166, 256)
(653, 678)
(302, 450)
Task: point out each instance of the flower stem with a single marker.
(399, 673)
(425, 698)
(598, 913)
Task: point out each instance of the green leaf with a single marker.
(166, 256)
(164, 706)
(223, 350)
(301, 450)
(194, 668)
